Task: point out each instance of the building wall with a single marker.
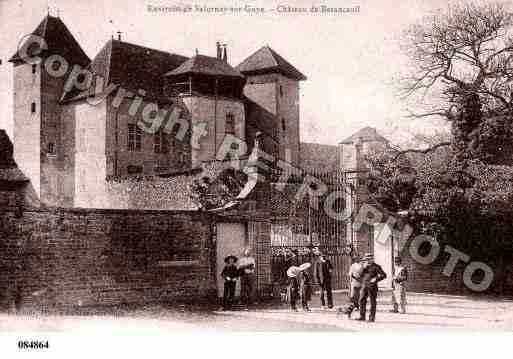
(91, 257)
(118, 119)
(52, 164)
(27, 125)
(67, 149)
(90, 160)
(259, 240)
(280, 96)
(204, 110)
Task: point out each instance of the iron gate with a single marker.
(306, 227)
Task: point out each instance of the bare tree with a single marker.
(462, 57)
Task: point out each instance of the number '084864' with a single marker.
(30, 344)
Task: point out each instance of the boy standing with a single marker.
(398, 289)
(229, 274)
(355, 274)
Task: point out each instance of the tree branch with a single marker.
(425, 151)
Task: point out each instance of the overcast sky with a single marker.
(352, 60)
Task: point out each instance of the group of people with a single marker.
(242, 269)
(364, 276)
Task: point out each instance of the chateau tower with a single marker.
(38, 130)
(273, 83)
(212, 92)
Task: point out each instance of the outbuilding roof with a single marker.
(206, 65)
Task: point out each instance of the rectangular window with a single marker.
(281, 91)
(33, 107)
(160, 142)
(51, 148)
(34, 68)
(230, 124)
(134, 137)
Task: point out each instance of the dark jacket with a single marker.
(322, 271)
(230, 271)
(372, 271)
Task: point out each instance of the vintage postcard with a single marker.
(254, 166)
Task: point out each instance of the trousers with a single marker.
(247, 288)
(229, 293)
(326, 288)
(368, 291)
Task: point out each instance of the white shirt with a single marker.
(355, 271)
(246, 261)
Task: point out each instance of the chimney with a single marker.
(218, 47)
(225, 55)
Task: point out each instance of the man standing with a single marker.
(372, 274)
(248, 278)
(322, 273)
(355, 282)
(398, 289)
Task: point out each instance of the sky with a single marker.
(352, 60)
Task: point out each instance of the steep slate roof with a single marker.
(59, 41)
(206, 65)
(267, 60)
(366, 134)
(132, 67)
(318, 157)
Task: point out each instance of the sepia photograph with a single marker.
(217, 174)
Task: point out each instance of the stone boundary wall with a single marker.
(83, 257)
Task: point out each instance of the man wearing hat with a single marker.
(372, 273)
(398, 289)
(229, 274)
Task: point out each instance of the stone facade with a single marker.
(213, 114)
(67, 146)
(91, 257)
(27, 125)
(280, 96)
